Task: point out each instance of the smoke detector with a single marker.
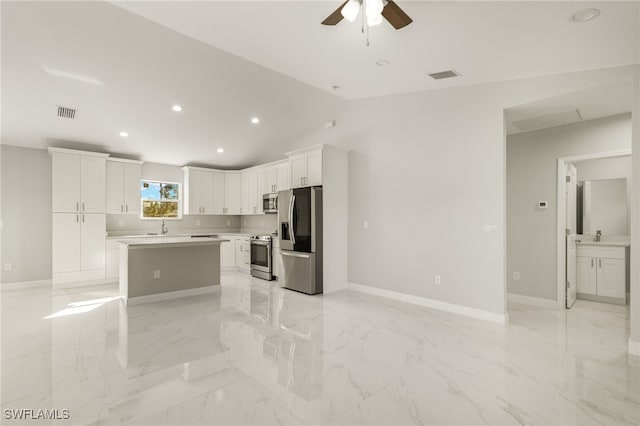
(66, 112)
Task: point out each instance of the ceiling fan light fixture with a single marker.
(373, 10)
(351, 9)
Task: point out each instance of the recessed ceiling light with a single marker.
(255, 120)
(176, 108)
(382, 63)
(584, 15)
(124, 134)
(220, 150)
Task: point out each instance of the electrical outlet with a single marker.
(516, 276)
(438, 280)
(156, 274)
(228, 223)
(121, 223)
(197, 223)
(8, 266)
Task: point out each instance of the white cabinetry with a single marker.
(78, 215)
(602, 272)
(123, 186)
(276, 177)
(276, 257)
(228, 252)
(249, 187)
(232, 193)
(243, 253)
(204, 191)
(306, 168)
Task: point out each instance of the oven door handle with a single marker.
(260, 243)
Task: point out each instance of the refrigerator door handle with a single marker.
(285, 253)
(292, 231)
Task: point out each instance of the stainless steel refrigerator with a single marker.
(300, 234)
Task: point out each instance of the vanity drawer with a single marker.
(604, 252)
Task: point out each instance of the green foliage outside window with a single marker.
(160, 199)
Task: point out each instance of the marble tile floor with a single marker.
(253, 353)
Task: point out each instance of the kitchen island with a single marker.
(153, 269)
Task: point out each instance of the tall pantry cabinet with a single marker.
(78, 180)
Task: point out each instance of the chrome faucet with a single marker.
(163, 229)
(598, 236)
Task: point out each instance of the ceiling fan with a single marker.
(373, 12)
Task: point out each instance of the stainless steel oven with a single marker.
(261, 263)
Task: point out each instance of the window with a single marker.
(160, 199)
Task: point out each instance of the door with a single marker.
(218, 194)
(65, 183)
(194, 191)
(586, 275)
(314, 168)
(611, 278)
(232, 193)
(284, 219)
(272, 185)
(262, 185)
(115, 184)
(244, 193)
(298, 170)
(208, 188)
(131, 188)
(282, 177)
(260, 256)
(301, 220)
(571, 249)
(66, 242)
(253, 192)
(300, 272)
(228, 252)
(92, 243)
(93, 183)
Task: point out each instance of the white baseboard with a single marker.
(26, 284)
(170, 295)
(86, 283)
(534, 301)
(434, 304)
(634, 347)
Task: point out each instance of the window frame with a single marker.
(142, 200)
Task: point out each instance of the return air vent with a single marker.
(444, 74)
(64, 112)
(548, 120)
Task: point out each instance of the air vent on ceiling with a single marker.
(444, 74)
(548, 120)
(64, 112)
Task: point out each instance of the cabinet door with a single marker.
(314, 168)
(611, 278)
(195, 189)
(298, 170)
(65, 181)
(115, 185)
(207, 200)
(92, 243)
(253, 192)
(586, 275)
(112, 268)
(275, 267)
(282, 177)
(244, 193)
(66, 242)
(228, 252)
(131, 188)
(239, 254)
(232, 193)
(272, 184)
(93, 182)
(218, 193)
(262, 186)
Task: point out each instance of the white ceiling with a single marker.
(484, 41)
(593, 103)
(228, 61)
(144, 68)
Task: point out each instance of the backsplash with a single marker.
(192, 223)
(123, 224)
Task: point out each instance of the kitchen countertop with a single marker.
(173, 241)
(116, 236)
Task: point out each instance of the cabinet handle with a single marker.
(121, 208)
(127, 209)
(592, 262)
(77, 207)
(83, 207)
(203, 210)
(82, 218)
(77, 219)
(600, 263)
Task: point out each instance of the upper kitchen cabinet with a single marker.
(123, 186)
(232, 193)
(306, 167)
(78, 181)
(250, 192)
(276, 177)
(199, 187)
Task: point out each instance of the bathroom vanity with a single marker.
(603, 271)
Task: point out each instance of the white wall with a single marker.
(531, 176)
(427, 171)
(26, 213)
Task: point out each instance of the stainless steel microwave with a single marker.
(270, 203)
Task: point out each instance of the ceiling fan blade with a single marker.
(395, 15)
(335, 17)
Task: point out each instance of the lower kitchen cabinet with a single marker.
(228, 252)
(243, 253)
(603, 273)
